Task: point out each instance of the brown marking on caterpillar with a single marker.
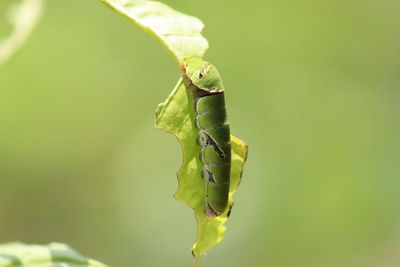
(208, 175)
(210, 212)
(206, 140)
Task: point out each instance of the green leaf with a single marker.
(22, 16)
(181, 36)
(176, 115)
(52, 255)
(178, 32)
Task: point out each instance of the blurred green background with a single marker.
(312, 86)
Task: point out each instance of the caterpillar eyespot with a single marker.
(213, 130)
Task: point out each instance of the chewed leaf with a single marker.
(178, 32)
(22, 16)
(52, 255)
(181, 35)
(176, 115)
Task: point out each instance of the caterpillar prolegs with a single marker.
(204, 82)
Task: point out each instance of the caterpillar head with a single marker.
(202, 74)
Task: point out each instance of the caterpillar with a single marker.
(204, 82)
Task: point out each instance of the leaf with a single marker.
(178, 32)
(176, 115)
(181, 35)
(52, 255)
(23, 17)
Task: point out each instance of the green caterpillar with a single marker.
(204, 82)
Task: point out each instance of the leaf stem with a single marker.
(196, 262)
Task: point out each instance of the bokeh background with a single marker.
(312, 86)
